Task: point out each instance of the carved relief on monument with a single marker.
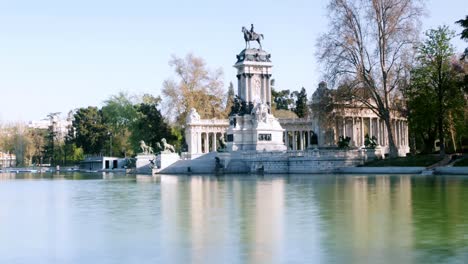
(256, 87)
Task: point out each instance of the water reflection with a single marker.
(235, 219)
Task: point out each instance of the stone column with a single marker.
(353, 132)
(378, 131)
(249, 76)
(286, 139)
(199, 142)
(362, 131)
(207, 143)
(239, 83)
(344, 126)
(268, 88)
(294, 140)
(215, 141)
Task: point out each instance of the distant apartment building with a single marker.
(60, 125)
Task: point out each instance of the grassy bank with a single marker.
(410, 161)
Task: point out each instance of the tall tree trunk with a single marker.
(393, 150)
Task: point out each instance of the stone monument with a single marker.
(145, 160)
(252, 126)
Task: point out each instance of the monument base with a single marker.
(145, 163)
(165, 160)
(255, 132)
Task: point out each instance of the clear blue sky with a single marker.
(57, 55)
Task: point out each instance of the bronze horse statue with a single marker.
(251, 36)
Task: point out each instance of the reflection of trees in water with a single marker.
(208, 218)
(342, 219)
(366, 219)
(440, 218)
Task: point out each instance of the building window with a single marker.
(230, 138)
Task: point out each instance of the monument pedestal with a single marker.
(165, 160)
(252, 133)
(145, 163)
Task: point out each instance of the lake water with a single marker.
(111, 218)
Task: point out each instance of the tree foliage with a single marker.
(368, 46)
(436, 99)
(91, 133)
(194, 86)
(282, 100)
(464, 34)
(301, 108)
(150, 126)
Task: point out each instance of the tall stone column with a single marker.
(214, 141)
(239, 83)
(344, 126)
(362, 131)
(294, 140)
(378, 131)
(199, 142)
(353, 130)
(207, 143)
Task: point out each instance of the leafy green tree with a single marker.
(91, 133)
(301, 109)
(119, 114)
(436, 94)
(150, 125)
(282, 100)
(51, 147)
(196, 87)
(464, 33)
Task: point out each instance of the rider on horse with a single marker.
(252, 32)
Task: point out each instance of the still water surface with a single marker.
(111, 218)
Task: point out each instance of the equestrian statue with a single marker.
(251, 36)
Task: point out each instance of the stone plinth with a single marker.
(165, 160)
(260, 132)
(144, 163)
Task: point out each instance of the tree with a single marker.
(90, 131)
(301, 109)
(195, 87)
(150, 125)
(282, 100)
(229, 99)
(51, 147)
(368, 45)
(435, 98)
(119, 114)
(464, 33)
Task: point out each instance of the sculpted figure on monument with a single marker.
(260, 112)
(167, 148)
(251, 36)
(145, 149)
(193, 116)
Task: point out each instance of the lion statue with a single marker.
(145, 149)
(166, 147)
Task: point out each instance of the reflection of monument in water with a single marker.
(214, 217)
